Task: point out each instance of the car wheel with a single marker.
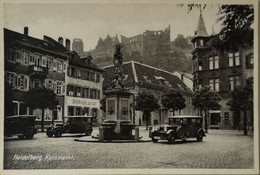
(171, 138)
(29, 134)
(49, 133)
(180, 132)
(20, 136)
(58, 133)
(200, 137)
(88, 132)
(154, 140)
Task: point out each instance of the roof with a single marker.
(49, 45)
(201, 29)
(84, 64)
(146, 76)
(185, 116)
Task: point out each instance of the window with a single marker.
(59, 66)
(38, 60)
(70, 90)
(32, 59)
(92, 76)
(97, 78)
(59, 88)
(78, 90)
(94, 93)
(85, 111)
(78, 111)
(98, 94)
(233, 59)
(85, 93)
(214, 84)
(91, 93)
(22, 82)
(36, 83)
(49, 84)
(44, 62)
(78, 73)
(201, 42)
(25, 57)
(200, 63)
(234, 81)
(10, 77)
(199, 86)
(249, 60)
(87, 75)
(49, 63)
(11, 55)
(54, 68)
(18, 57)
(213, 62)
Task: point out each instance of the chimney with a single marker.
(26, 29)
(67, 44)
(60, 40)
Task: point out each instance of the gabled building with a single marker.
(139, 77)
(30, 62)
(223, 71)
(84, 88)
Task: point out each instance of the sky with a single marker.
(89, 22)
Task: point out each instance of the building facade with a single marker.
(77, 45)
(148, 43)
(83, 88)
(30, 63)
(141, 77)
(223, 71)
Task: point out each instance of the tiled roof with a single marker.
(146, 75)
(47, 45)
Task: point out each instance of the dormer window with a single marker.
(146, 78)
(168, 83)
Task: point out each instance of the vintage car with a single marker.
(72, 124)
(180, 127)
(20, 125)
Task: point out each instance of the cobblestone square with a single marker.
(224, 149)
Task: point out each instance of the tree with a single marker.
(204, 99)
(41, 98)
(173, 100)
(236, 23)
(146, 102)
(8, 97)
(242, 100)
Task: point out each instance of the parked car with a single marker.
(20, 125)
(180, 127)
(72, 124)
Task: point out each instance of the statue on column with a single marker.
(118, 78)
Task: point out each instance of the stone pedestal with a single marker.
(118, 124)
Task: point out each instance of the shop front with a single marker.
(86, 107)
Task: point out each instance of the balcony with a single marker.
(38, 71)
